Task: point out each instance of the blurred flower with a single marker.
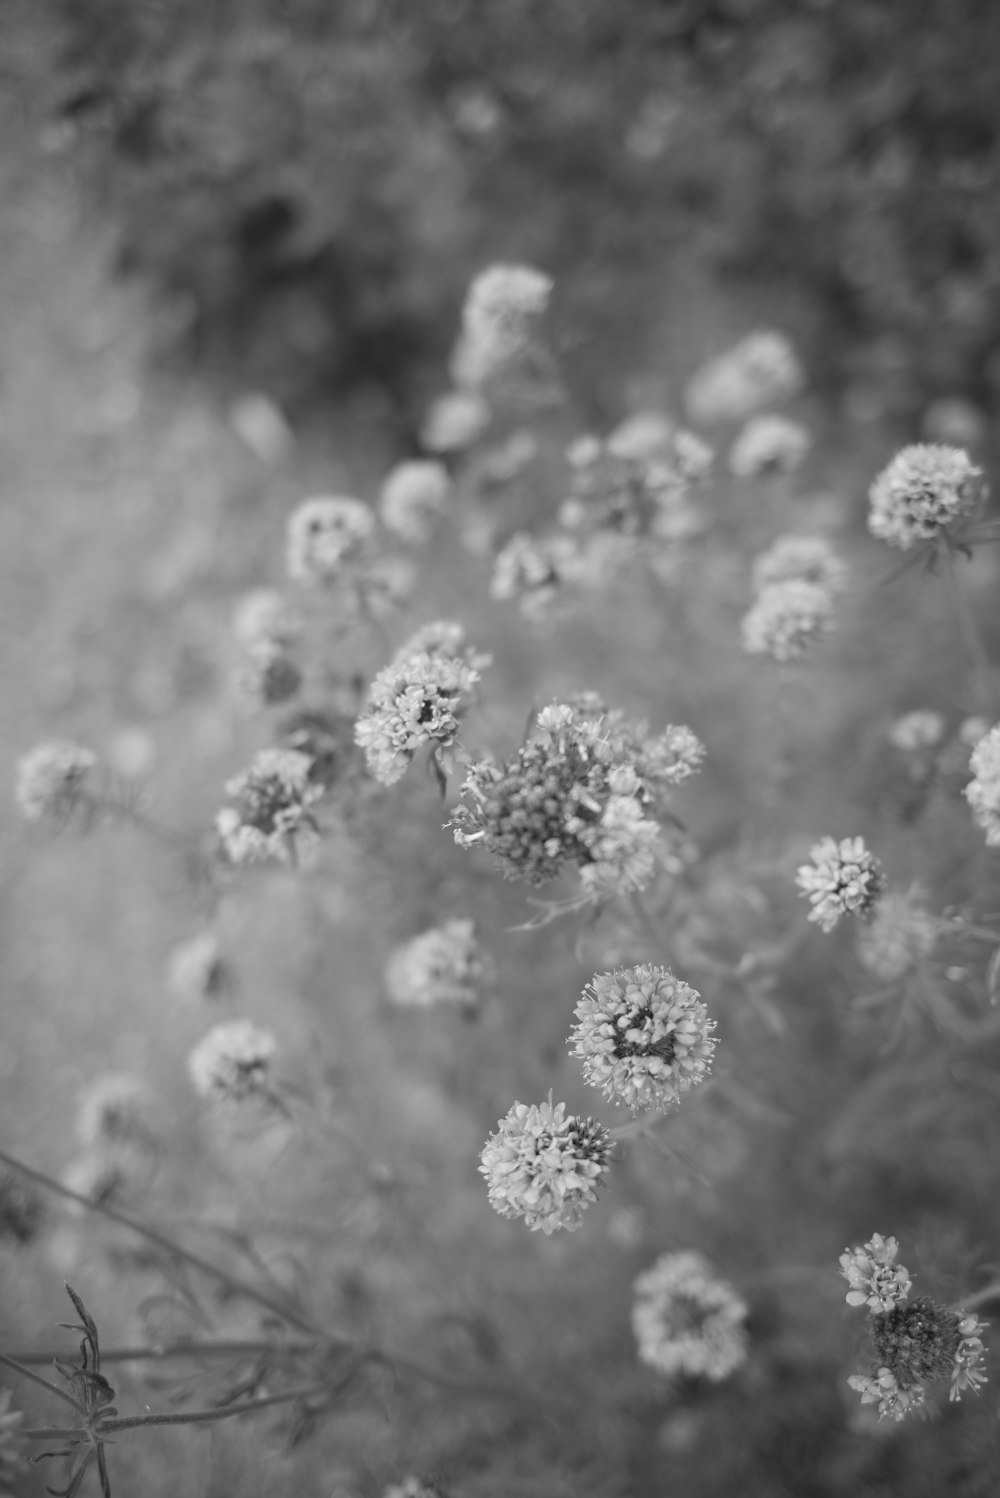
(921, 729)
(983, 790)
(874, 1277)
(263, 615)
(414, 700)
(444, 965)
(455, 421)
(532, 570)
(22, 1210)
(544, 1166)
(324, 533)
(414, 497)
(971, 730)
(843, 879)
(115, 1111)
(793, 558)
(769, 444)
(231, 1063)
(686, 1321)
(644, 1037)
(899, 935)
(269, 674)
(413, 1487)
(99, 1176)
(197, 969)
(502, 306)
(13, 1445)
(762, 370)
(272, 799)
(445, 638)
(261, 424)
(51, 780)
(923, 491)
(786, 619)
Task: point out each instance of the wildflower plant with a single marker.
(687, 1322)
(231, 1064)
(443, 966)
(924, 493)
(843, 878)
(545, 1165)
(52, 781)
(271, 813)
(417, 700)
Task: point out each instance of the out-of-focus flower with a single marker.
(269, 674)
(644, 1037)
(272, 808)
(13, 1445)
(687, 1321)
(415, 700)
(843, 879)
(921, 729)
(874, 1277)
(983, 790)
(769, 444)
(413, 1487)
(454, 421)
(971, 730)
(51, 780)
(263, 615)
(544, 1165)
(533, 571)
(325, 533)
(786, 619)
(762, 370)
(197, 969)
(446, 638)
(900, 934)
(794, 558)
(925, 489)
(232, 1062)
(445, 965)
(501, 311)
(261, 424)
(115, 1111)
(22, 1210)
(414, 497)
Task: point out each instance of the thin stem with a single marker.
(182, 1349)
(37, 1379)
(968, 628)
(224, 1412)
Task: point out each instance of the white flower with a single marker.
(983, 790)
(900, 935)
(273, 799)
(882, 1388)
(808, 559)
(786, 619)
(921, 729)
(762, 370)
(769, 444)
(197, 969)
(414, 497)
(455, 421)
(874, 1277)
(444, 965)
(545, 1166)
(843, 879)
(51, 780)
(414, 700)
(446, 638)
(115, 1110)
(532, 570)
(231, 1063)
(924, 490)
(324, 534)
(688, 1322)
(263, 614)
(502, 305)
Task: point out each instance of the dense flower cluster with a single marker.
(761, 370)
(51, 780)
(544, 1165)
(787, 618)
(231, 1063)
(983, 790)
(414, 497)
(644, 1037)
(798, 558)
(446, 638)
(445, 965)
(416, 699)
(843, 879)
(687, 1321)
(900, 934)
(874, 1277)
(272, 807)
(769, 444)
(324, 534)
(925, 489)
(585, 792)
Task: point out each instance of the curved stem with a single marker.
(180, 1349)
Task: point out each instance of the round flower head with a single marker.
(843, 879)
(197, 969)
(272, 799)
(231, 1064)
(792, 558)
(415, 700)
(762, 370)
(263, 615)
(983, 790)
(921, 729)
(501, 308)
(786, 619)
(874, 1277)
(22, 1211)
(644, 1037)
(545, 1166)
(51, 781)
(900, 935)
(918, 1344)
(769, 444)
(115, 1111)
(414, 497)
(325, 533)
(455, 421)
(688, 1322)
(444, 965)
(925, 490)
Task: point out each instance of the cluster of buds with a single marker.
(545, 1165)
(924, 496)
(842, 879)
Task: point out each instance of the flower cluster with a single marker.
(687, 1321)
(324, 534)
(636, 484)
(231, 1063)
(769, 444)
(502, 307)
(446, 638)
(914, 1343)
(761, 370)
(644, 1037)
(786, 619)
(798, 558)
(545, 1165)
(416, 699)
(51, 781)
(843, 879)
(923, 492)
(585, 791)
(983, 790)
(272, 807)
(533, 571)
(445, 965)
(414, 497)
(900, 935)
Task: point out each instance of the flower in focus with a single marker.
(921, 729)
(324, 533)
(545, 1166)
(769, 444)
(983, 790)
(51, 780)
(843, 879)
(794, 558)
(415, 700)
(644, 1037)
(925, 489)
(414, 497)
(874, 1277)
(900, 934)
(115, 1111)
(786, 619)
(687, 1321)
(761, 370)
(273, 798)
(197, 969)
(444, 965)
(232, 1062)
